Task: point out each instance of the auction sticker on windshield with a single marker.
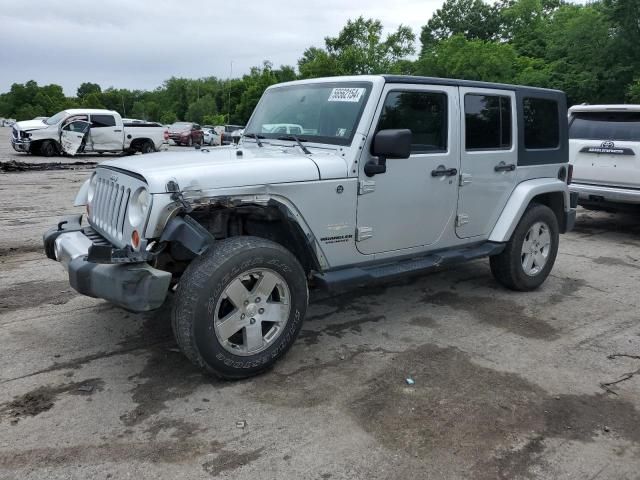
(346, 94)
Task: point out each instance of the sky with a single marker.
(137, 44)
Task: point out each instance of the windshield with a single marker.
(322, 112)
(178, 126)
(605, 126)
(56, 118)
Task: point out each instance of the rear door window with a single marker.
(623, 126)
(487, 122)
(541, 123)
(101, 121)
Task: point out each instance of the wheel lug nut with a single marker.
(261, 311)
(258, 300)
(252, 321)
(242, 316)
(246, 302)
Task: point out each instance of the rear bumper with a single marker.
(134, 286)
(592, 194)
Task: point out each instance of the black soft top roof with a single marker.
(453, 82)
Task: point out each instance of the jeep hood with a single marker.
(28, 125)
(222, 167)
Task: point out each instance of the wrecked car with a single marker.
(388, 176)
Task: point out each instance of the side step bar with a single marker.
(344, 278)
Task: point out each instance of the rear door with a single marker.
(105, 134)
(604, 148)
(488, 158)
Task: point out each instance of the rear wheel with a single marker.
(531, 252)
(240, 306)
(147, 147)
(48, 149)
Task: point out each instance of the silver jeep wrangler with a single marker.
(337, 182)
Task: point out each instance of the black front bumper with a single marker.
(134, 286)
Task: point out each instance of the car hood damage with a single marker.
(28, 125)
(220, 168)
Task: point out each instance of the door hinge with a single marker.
(363, 233)
(366, 186)
(465, 179)
(462, 219)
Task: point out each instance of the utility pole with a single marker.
(229, 93)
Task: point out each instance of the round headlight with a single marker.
(92, 188)
(139, 207)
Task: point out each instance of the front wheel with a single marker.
(48, 149)
(189, 142)
(531, 252)
(240, 306)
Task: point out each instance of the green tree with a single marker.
(87, 88)
(457, 57)
(93, 100)
(168, 117)
(473, 19)
(213, 119)
(28, 111)
(359, 49)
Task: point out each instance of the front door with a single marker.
(73, 136)
(411, 204)
(488, 158)
(106, 136)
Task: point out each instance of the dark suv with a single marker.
(186, 133)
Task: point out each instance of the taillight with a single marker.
(569, 174)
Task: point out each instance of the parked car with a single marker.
(211, 137)
(186, 133)
(604, 149)
(80, 130)
(7, 122)
(394, 176)
(288, 128)
(230, 134)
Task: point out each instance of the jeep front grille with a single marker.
(109, 207)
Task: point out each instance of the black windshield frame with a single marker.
(331, 140)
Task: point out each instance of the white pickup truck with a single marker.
(87, 130)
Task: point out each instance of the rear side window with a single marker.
(99, 121)
(541, 123)
(623, 126)
(487, 122)
(424, 113)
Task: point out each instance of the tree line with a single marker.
(590, 51)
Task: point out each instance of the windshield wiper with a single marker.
(256, 136)
(298, 141)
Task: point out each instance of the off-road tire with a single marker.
(48, 149)
(202, 285)
(507, 267)
(147, 147)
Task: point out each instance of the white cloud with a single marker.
(138, 44)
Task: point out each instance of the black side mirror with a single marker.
(394, 143)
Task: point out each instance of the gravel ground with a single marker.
(507, 385)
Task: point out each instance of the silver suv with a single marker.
(387, 176)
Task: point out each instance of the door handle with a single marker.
(502, 167)
(117, 130)
(444, 172)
